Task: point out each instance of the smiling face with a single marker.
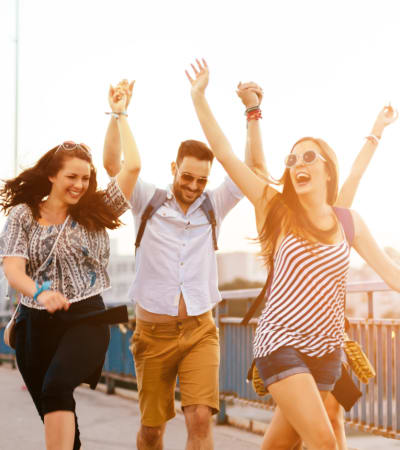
(189, 179)
(309, 178)
(72, 181)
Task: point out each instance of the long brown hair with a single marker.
(32, 185)
(286, 213)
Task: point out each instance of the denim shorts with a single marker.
(287, 361)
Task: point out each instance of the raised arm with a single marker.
(369, 250)
(348, 191)
(250, 184)
(251, 95)
(119, 137)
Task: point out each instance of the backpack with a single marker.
(345, 218)
(159, 197)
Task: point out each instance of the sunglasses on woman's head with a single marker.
(188, 178)
(71, 145)
(308, 157)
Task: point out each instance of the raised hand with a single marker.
(201, 76)
(386, 116)
(53, 301)
(250, 93)
(120, 95)
(124, 87)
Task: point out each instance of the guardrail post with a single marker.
(370, 305)
(221, 416)
(110, 385)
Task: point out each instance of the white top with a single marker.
(77, 267)
(176, 253)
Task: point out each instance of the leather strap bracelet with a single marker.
(44, 287)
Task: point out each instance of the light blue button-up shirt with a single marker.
(176, 253)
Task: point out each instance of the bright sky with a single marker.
(327, 67)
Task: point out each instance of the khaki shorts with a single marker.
(187, 348)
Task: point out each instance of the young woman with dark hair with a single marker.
(55, 251)
(297, 345)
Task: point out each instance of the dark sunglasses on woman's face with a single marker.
(188, 178)
(308, 157)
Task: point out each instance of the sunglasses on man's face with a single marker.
(188, 178)
(308, 157)
(71, 145)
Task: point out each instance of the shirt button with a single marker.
(181, 263)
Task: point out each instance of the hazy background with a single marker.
(327, 67)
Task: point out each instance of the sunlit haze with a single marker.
(326, 69)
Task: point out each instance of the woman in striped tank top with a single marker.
(298, 341)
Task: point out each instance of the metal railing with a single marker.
(378, 410)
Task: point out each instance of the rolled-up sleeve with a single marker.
(141, 196)
(224, 198)
(14, 236)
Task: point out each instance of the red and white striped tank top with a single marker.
(305, 308)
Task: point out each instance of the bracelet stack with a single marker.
(372, 138)
(253, 113)
(39, 289)
(117, 114)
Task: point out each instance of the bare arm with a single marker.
(119, 138)
(249, 183)
(251, 95)
(348, 191)
(112, 149)
(369, 250)
(14, 269)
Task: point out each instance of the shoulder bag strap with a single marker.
(261, 296)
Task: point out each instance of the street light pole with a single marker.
(16, 87)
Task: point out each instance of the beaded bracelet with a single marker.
(254, 114)
(372, 138)
(117, 114)
(44, 287)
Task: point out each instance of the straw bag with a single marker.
(254, 377)
(358, 360)
(9, 331)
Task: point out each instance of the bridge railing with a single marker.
(378, 411)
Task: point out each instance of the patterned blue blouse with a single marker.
(77, 267)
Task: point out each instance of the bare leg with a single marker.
(150, 438)
(335, 414)
(301, 406)
(198, 423)
(59, 429)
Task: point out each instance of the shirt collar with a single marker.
(193, 206)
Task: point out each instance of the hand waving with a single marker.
(201, 73)
(386, 116)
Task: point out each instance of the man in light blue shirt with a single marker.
(175, 288)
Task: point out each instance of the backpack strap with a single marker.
(346, 219)
(208, 210)
(159, 197)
